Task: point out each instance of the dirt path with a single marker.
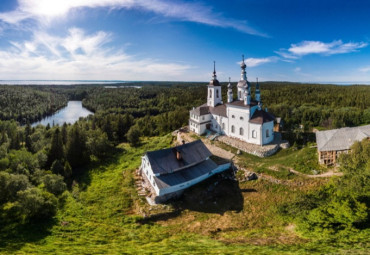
(327, 174)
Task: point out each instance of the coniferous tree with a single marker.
(56, 151)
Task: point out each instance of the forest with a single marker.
(41, 166)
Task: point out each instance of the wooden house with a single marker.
(331, 143)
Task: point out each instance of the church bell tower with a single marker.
(214, 96)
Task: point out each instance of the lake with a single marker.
(69, 114)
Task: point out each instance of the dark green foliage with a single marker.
(54, 184)
(133, 136)
(342, 205)
(76, 149)
(57, 149)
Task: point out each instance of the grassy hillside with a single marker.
(103, 215)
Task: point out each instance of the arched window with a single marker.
(240, 94)
(267, 133)
(254, 134)
(223, 126)
(232, 129)
(233, 116)
(217, 93)
(241, 131)
(210, 93)
(241, 118)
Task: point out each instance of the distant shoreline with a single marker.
(117, 82)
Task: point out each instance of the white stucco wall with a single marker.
(238, 117)
(270, 127)
(214, 96)
(257, 139)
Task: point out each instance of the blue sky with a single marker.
(306, 41)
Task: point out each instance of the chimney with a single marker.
(178, 155)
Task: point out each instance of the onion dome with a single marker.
(214, 81)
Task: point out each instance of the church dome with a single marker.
(214, 82)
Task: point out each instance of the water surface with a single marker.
(69, 114)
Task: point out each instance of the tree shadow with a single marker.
(14, 235)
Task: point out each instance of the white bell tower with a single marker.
(230, 96)
(214, 96)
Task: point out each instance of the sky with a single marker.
(178, 40)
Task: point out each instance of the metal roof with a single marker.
(341, 139)
(218, 110)
(201, 110)
(185, 175)
(260, 116)
(165, 161)
(240, 103)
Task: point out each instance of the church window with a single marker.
(233, 116)
(217, 94)
(254, 134)
(240, 94)
(241, 131)
(223, 125)
(232, 129)
(210, 93)
(203, 118)
(267, 133)
(241, 118)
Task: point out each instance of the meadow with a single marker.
(103, 214)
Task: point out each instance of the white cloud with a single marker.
(365, 69)
(317, 47)
(252, 62)
(80, 56)
(46, 10)
(297, 69)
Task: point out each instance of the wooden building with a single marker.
(331, 143)
(169, 171)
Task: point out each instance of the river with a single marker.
(69, 114)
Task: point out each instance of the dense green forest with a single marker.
(42, 168)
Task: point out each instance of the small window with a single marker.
(217, 94)
(203, 118)
(241, 131)
(223, 125)
(232, 129)
(254, 134)
(241, 118)
(233, 116)
(210, 93)
(267, 133)
(240, 94)
(153, 183)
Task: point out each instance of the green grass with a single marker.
(303, 160)
(102, 216)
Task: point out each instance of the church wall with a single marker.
(238, 118)
(255, 133)
(270, 127)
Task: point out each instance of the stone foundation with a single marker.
(254, 149)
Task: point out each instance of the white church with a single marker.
(242, 118)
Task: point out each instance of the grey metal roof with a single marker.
(201, 110)
(165, 161)
(185, 175)
(341, 139)
(218, 110)
(240, 103)
(260, 116)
